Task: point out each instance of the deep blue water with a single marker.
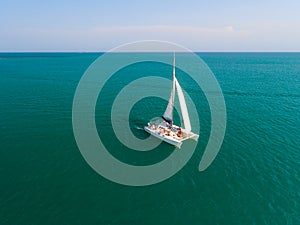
(255, 178)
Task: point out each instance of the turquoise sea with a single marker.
(255, 179)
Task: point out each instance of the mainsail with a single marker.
(168, 115)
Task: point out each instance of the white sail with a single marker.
(171, 133)
(168, 115)
(183, 108)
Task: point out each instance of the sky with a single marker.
(200, 25)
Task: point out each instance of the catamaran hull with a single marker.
(169, 139)
(164, 138)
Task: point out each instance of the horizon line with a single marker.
(199, 51)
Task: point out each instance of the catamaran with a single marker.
(163, 128)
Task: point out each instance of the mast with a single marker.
(173, 66)
(173, 85)
(168, 115)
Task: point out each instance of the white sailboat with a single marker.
(163, 128)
